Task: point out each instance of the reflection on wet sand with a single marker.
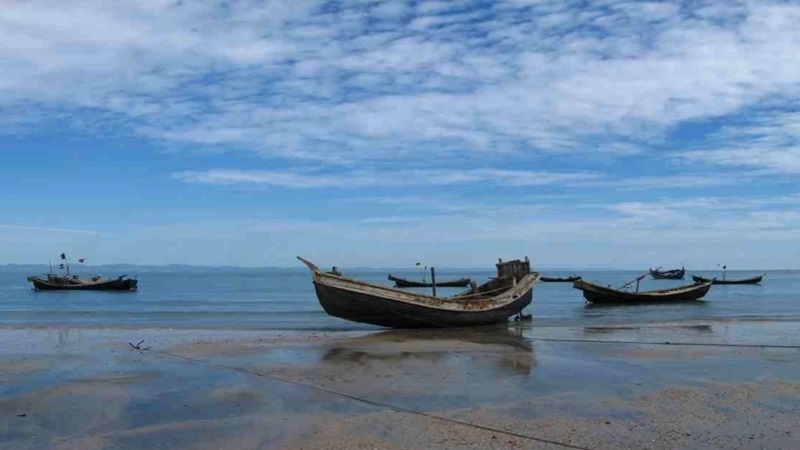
(503, 348)
(235, 394)
(641, 306)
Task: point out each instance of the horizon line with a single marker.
(231, 266)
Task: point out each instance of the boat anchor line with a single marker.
(676, 344)
(367, 401)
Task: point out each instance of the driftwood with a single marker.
(138, 346)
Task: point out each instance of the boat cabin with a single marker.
(513, 269)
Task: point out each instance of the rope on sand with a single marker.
(388, 406)
(686, 344)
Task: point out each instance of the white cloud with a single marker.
(364, 178)
(564, 94)
(294, 79)
(9, 228)
(770, 142)
(477, 239)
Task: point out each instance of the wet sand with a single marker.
(689, 386)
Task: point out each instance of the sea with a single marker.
(284, 299)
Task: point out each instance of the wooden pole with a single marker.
(629, 283)
(433, 280)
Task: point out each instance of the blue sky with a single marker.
(582, 134)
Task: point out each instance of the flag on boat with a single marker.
(419, 264)
(60, 266)
(63, 256)
(81, 260)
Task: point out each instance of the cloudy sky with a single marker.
(580, 133)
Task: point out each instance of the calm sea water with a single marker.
(285, 299)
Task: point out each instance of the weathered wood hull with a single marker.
(676, 274)
(603, 295)
(559, 280)
(751, 280)
(404, 283)
(359, 307)
(41, 284)
(359, 301)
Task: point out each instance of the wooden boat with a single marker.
(751, 280)
(674, 274)
(404, 283)
(491, 302)
(598, 294)
(559, 280)
(74, 283)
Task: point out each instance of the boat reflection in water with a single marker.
(498, 348)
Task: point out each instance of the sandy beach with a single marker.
(725, 384)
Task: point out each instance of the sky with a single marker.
(582, 134)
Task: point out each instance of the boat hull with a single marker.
(403, 283)
(677, 274)
(602, 295)
(40, 284)
(359, 301)
(559, 280)
(752, 280)
(384, 312)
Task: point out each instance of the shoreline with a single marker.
(346, 327)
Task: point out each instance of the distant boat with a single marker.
(571, 279)
(751, 280)
(404, 283)
(492, 302)
(674, 274)
(74, 283)
(598, 294)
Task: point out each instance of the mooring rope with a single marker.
(686, 344)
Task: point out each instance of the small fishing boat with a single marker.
(571, 279)
(492, 302)
(752, 280)
(404, 283)
(594, 293)
(74, 283)
(674, 274)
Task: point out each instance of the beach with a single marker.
(732, 384)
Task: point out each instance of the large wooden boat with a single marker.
(495, 301)
(404, 283)
(559, 280)
(594, 293)
(751, 280)
(74, 283)
(674, 274)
